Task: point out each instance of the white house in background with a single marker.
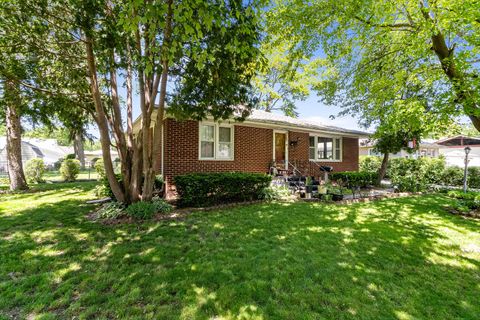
(50, 149)
(427, 148)
(453, 149)
(46, 149)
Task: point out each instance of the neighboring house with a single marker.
(51, 150)
(46, 149)
(29, 151)
(91, 156)
(453, 149)
(427, 148)
(255, 145)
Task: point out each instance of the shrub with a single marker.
(457, 194)
(106, 189)
(416, 174)
(474, 177)
(161, 206)
(352, 179)
(204, 189)
(34, 170)
(111, 210)
(158, 183)
(141, 210)
(370, 163)
(100, 169)
(432, 169)
(5, 181)
(409, 182)
(70, 169)
(70, 156)
(452, 176)
(273, 193)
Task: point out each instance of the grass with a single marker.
(85, 174)
(402, 258)
(54, 176)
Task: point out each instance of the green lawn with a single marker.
(54, 176)
(393, 259)
(85, 174)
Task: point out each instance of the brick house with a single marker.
(264, 139)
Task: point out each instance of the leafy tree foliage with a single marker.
(39, 76)
(374, 47)
(286, 77)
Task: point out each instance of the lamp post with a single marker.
(467, 151)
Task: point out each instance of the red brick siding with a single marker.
(349, 157)
(253, 150)
(299, 150)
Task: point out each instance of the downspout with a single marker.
(162, 151)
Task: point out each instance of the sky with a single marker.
(314, 110)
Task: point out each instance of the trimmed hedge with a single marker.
(206, 189)
(353, 179)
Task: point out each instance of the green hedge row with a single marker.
(206, 189)
(353, 179)
(417, 174)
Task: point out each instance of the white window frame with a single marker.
(334, 147)
(216, 129)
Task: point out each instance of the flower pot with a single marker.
(322, 190)
(337, 197)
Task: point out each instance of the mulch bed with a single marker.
(177, 214)
(369, 198)
(474, 214)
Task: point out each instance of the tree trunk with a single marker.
(383, 168)
(101, 120)
(464, 94)
(14, 143)
(133, 153)
(157, 135)
(79, 149)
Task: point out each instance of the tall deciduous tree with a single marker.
(12, 100)
(372, 45)
(40, 79)
(206, 50)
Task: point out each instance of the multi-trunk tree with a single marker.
(199, 55)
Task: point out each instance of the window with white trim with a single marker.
(325, 148)
(216, 141)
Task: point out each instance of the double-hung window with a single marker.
(325, 148)
(216, 141)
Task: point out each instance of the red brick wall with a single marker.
(253, 150)
(300, 151)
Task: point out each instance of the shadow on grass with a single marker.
(397, 258)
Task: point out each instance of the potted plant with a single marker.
(308, 187)
(327, 197)
(322, 188)
(337, 194)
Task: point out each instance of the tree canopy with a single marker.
(374, 47)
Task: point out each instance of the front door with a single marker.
(280, 149)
